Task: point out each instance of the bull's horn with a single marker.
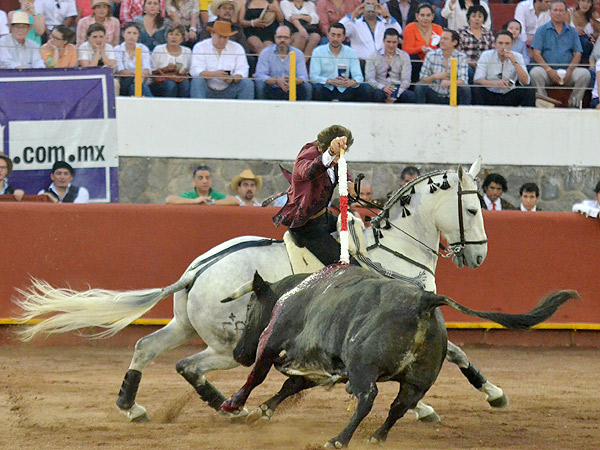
(239, 292)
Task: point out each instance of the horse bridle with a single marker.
(454, 248)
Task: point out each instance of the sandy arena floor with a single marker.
(64, 398)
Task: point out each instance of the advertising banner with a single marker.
(60, 115)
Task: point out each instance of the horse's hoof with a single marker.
(136, 414)
(430, 418)
(234, 415)
(333, 444)
(500, 402)
(373, 441)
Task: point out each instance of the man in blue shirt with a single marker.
(335, 70)
(273, 70)
(557, 51)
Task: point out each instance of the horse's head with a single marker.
(460, 219)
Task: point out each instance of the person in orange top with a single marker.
(420, 37)
(59, 51)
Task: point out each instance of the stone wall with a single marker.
(151, 180)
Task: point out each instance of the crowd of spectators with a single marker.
(346, 49)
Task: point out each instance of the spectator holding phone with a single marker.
(35, 19)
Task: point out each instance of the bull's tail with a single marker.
(72, 310)
(544, 310)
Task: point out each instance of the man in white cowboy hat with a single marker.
(219, 66)
(57, 12)
(246, 185)
(226, 11)
(6, 167)
(16, 51)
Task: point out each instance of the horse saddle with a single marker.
(303, 261)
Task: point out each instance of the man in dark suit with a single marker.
(493, 187)
(313, 182)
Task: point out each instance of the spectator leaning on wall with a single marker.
(203, 193)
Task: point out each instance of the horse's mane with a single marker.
(409, 187)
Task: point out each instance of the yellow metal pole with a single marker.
(138, 72)
(453, 75)
(292, 76)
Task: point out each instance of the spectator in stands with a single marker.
(474, 38)
(246, 185)
(434, 85)
(84, 9)
(259, 18)
(61, 190)
(335, 70)
(493, 187)
(519, 46)
(16, 51)
(6, 166)
(589, 208)
(152, 25)
(365, 28)
(100, 16)
(171, 63)
(499, 71)
(59, 51)
(532, 14)
(185, 12)
(331, 11)
(96, 52)
(456, 12)
(36, 20)
(556, 46)
(130, 9)
(409, 173)
(227, 11)
(3, 24)
(219, 67)
(273, 70)
(388, 71)
(420, 37)
(203, 193)
(301, 17)
(404, 11)
(126, 61)
(57, 12)
(587, 22)
(530, 196)
(594, 103)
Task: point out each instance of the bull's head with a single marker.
(261, 304)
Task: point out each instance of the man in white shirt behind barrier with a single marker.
(16, 51)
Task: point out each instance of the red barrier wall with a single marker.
(142, 246)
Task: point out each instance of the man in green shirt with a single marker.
(203, 193)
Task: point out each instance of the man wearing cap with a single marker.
(246, 184)
(16, 51)
(226, 10)
(203, 193)
(313, 182)
(6, 167)
(57, 12)
(219, 67)
(61, 190)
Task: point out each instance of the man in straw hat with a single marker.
(17, 52)
(6, 167)
(313, 181)
(246, 185)
(226, 11)
(220, 67)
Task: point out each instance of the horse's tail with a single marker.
(73, 310)
(544, 310)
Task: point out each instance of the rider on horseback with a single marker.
(313, 182)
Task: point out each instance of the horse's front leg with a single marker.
(493, 394)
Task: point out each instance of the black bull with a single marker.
(346, 324)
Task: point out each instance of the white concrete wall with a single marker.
(400, 133)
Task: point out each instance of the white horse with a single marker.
(404, 239)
